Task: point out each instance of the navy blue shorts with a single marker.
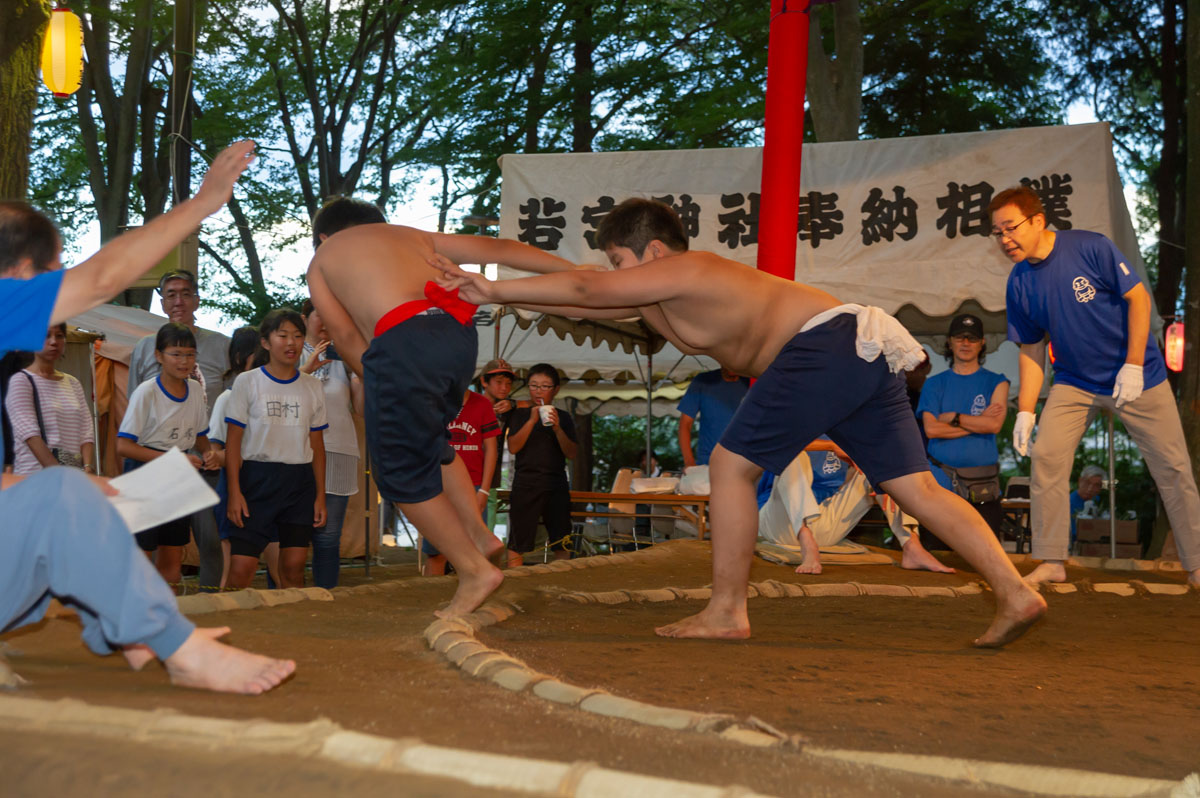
(172, 533)
(818, 385)
(415, 375)
(275, 494)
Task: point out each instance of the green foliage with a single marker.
(620, 441)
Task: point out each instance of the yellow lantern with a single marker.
(62, 53)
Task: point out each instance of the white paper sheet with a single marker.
(162, 490)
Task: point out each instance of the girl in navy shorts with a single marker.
(164, 413)
(275, 456)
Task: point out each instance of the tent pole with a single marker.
(496, 345)
(783, 134)
(367, 517)
(1112, 493)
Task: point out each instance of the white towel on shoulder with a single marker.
(878, 333)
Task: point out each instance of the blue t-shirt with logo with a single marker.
(968, 394)
(1077, 296)
(712, 402)
(25, 308)
(829, 473)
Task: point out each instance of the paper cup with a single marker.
(546, 411)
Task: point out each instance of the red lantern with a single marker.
(1174, 340)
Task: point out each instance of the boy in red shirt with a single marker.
(473, 434)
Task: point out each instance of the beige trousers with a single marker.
(792, 504)
(1152, 420)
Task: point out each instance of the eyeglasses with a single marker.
(171, 296)
(536, 387)
(1008, 231)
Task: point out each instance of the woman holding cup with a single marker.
(542, 440)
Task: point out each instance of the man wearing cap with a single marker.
(179, 298)
(1077, 288)
(961, 410)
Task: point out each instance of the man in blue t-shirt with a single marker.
(963, 408)
(1077, 288)
(711, 399)
(61, 536)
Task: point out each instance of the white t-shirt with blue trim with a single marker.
(277, 415)
(1077, 296)
(216, 423)
(158, 420)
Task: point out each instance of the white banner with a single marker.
(883, 222)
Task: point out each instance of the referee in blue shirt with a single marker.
(1077, 288)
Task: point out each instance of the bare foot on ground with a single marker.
(710, 624)
(916, 557)
(138, 654)
(206, 664)
(472, 591)
(1013, 618)
(1048, 571)
(810, 553)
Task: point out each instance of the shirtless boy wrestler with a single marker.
(803, 345)
(414, 345)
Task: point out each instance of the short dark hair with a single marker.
(62, 325)
(636, 222)
(276, 318)
(174, 334)
(546, 370)
(26, 232)
(1025, 198)
(244, 344)
(341, 212)
(307, 308)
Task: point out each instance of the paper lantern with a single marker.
(1174, 353)
(62, 53)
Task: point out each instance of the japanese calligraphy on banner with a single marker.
(884, 222)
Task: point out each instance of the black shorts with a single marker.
(172, 533)
(277, 494)
(415, 375)
(551, 504)
(818, 385)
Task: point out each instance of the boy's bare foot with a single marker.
(206, 664)
(709, 623)
(139, 654)
(1048, 571)
(916, 557)
(1013, 618)
(810, 552)
(472, 591)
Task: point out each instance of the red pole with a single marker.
(779, 205)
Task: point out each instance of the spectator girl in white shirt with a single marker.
(275, 456)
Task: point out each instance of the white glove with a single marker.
(1023, 432)
(1128, 386)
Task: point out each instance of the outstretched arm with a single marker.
(482, 249)
(624, 289)
(126, 258)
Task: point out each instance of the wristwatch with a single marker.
(954, 422)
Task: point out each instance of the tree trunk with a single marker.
(1170, 252)
(1189, 383)
(834, 84)
(21, 24)
(582, 89)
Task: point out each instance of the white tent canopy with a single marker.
(897, 223)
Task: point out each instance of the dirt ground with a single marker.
(1106, 683)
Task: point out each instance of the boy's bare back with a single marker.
(373, 268)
